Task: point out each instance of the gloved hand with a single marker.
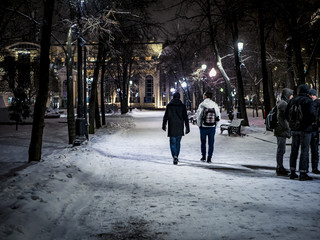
(164, 128)
(187, 131)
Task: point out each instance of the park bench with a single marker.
(233, 127)
(192, 118)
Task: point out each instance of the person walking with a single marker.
(208, 114)
(176, 116)
(302, 107)
(282, 130)
(314, 144)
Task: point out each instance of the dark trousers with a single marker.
(210, 132)
(281, 149)
(302, 139)
(314, 145)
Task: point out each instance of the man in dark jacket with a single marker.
(314, 144)
(301, 135)
(282, 130)
(176, 116)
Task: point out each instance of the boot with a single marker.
(175, 160)
(209, 160)
(304, 177)
(293, 174)
(281, 171)
(315, 171)
(203, 159)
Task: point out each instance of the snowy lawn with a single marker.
(122, 185)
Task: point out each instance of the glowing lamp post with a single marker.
(240, 48)
(203, 67)
(212, 73)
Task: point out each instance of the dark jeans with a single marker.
(175, 146)
(210, 132)
(281, 149)
(302, 139)
(314, 145)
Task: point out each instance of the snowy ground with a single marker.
(122, 185)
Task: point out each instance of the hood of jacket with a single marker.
(175, 101)
(208, 103)
(286, 93)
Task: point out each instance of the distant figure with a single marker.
(301, 115)
(176, 116)
(282, 130)
(208, 114)
(314, 144)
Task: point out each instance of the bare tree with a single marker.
(35, 147)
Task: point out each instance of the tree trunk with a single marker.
(290, 73)
(70, 106)
(269, 99)
(125, 84)
(35, 147)
(97, 113)
(296, 39)
(103, 110)
(94, 85)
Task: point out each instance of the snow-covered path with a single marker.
(123, 185)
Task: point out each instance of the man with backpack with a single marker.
(301, 115)
(208, 114)
(282, 130)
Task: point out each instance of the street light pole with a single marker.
(240, 48)
(80, 120)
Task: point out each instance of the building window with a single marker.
(149, 90)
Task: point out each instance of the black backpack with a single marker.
(295, 116)
(209, 117)
(271, 119)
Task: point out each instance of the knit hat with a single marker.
(313, 92)
(303, 89)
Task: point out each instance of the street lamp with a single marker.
(80, 120)
(240, 48)
(203, 67)
(212, 73)
(185, 88)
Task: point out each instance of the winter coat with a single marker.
(208, 103)
(307, 106)
(283, 129)
(176, 116)
(317, 108)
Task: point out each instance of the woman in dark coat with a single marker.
(176, 116)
